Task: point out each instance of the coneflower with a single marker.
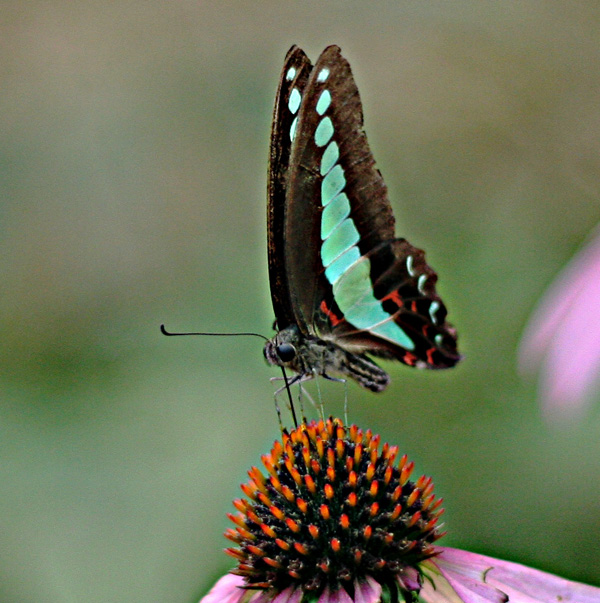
(335, 518)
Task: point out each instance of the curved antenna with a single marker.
(164, 331)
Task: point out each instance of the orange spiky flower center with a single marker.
(333, 508)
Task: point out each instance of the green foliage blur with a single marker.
(133, 171)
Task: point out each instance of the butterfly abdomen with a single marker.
(365, 372)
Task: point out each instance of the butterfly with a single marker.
(343, 287)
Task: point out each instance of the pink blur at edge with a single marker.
(563, 336)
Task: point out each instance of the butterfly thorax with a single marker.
(310, 356)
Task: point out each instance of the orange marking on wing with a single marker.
(395, 297)
(429, 354)
(409, 358)
(332, 317)
(413, 306)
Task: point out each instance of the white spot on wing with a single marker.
(324, 102)
(323, 75)
(433, 308)
(293, 128)
(294, 101)
(291, 74)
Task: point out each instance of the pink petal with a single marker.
(573, 360)
(339, 596)
(522, 584)
(409, 579)
(564, 334)
(289, 595)
(457, 580)
(440, 591)
(367, 591)
(557, 300)
(296, 596)
(226, 590)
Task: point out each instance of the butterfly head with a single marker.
(282, 350)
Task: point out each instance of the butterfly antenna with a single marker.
(164, 331)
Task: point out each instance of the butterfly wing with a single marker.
(348, 278)
(296, 69)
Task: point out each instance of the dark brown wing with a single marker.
(348, 277)
(296, 69)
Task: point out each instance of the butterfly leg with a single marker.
(277, 409)
(290, 381)
(346, 401)
(320, 405)
(345, 382)
(304, 391)
(336, 379)
(287, 382)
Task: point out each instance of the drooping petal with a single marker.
(522, 583)
(367, 590)
(226, 590)
(440, 590)
(563, 335)
(475, 577)
(448, 580)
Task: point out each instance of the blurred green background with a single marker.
(133, 170)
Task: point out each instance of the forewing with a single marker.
(332, 186)
(296, 69)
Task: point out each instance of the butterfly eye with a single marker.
(286, 352)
